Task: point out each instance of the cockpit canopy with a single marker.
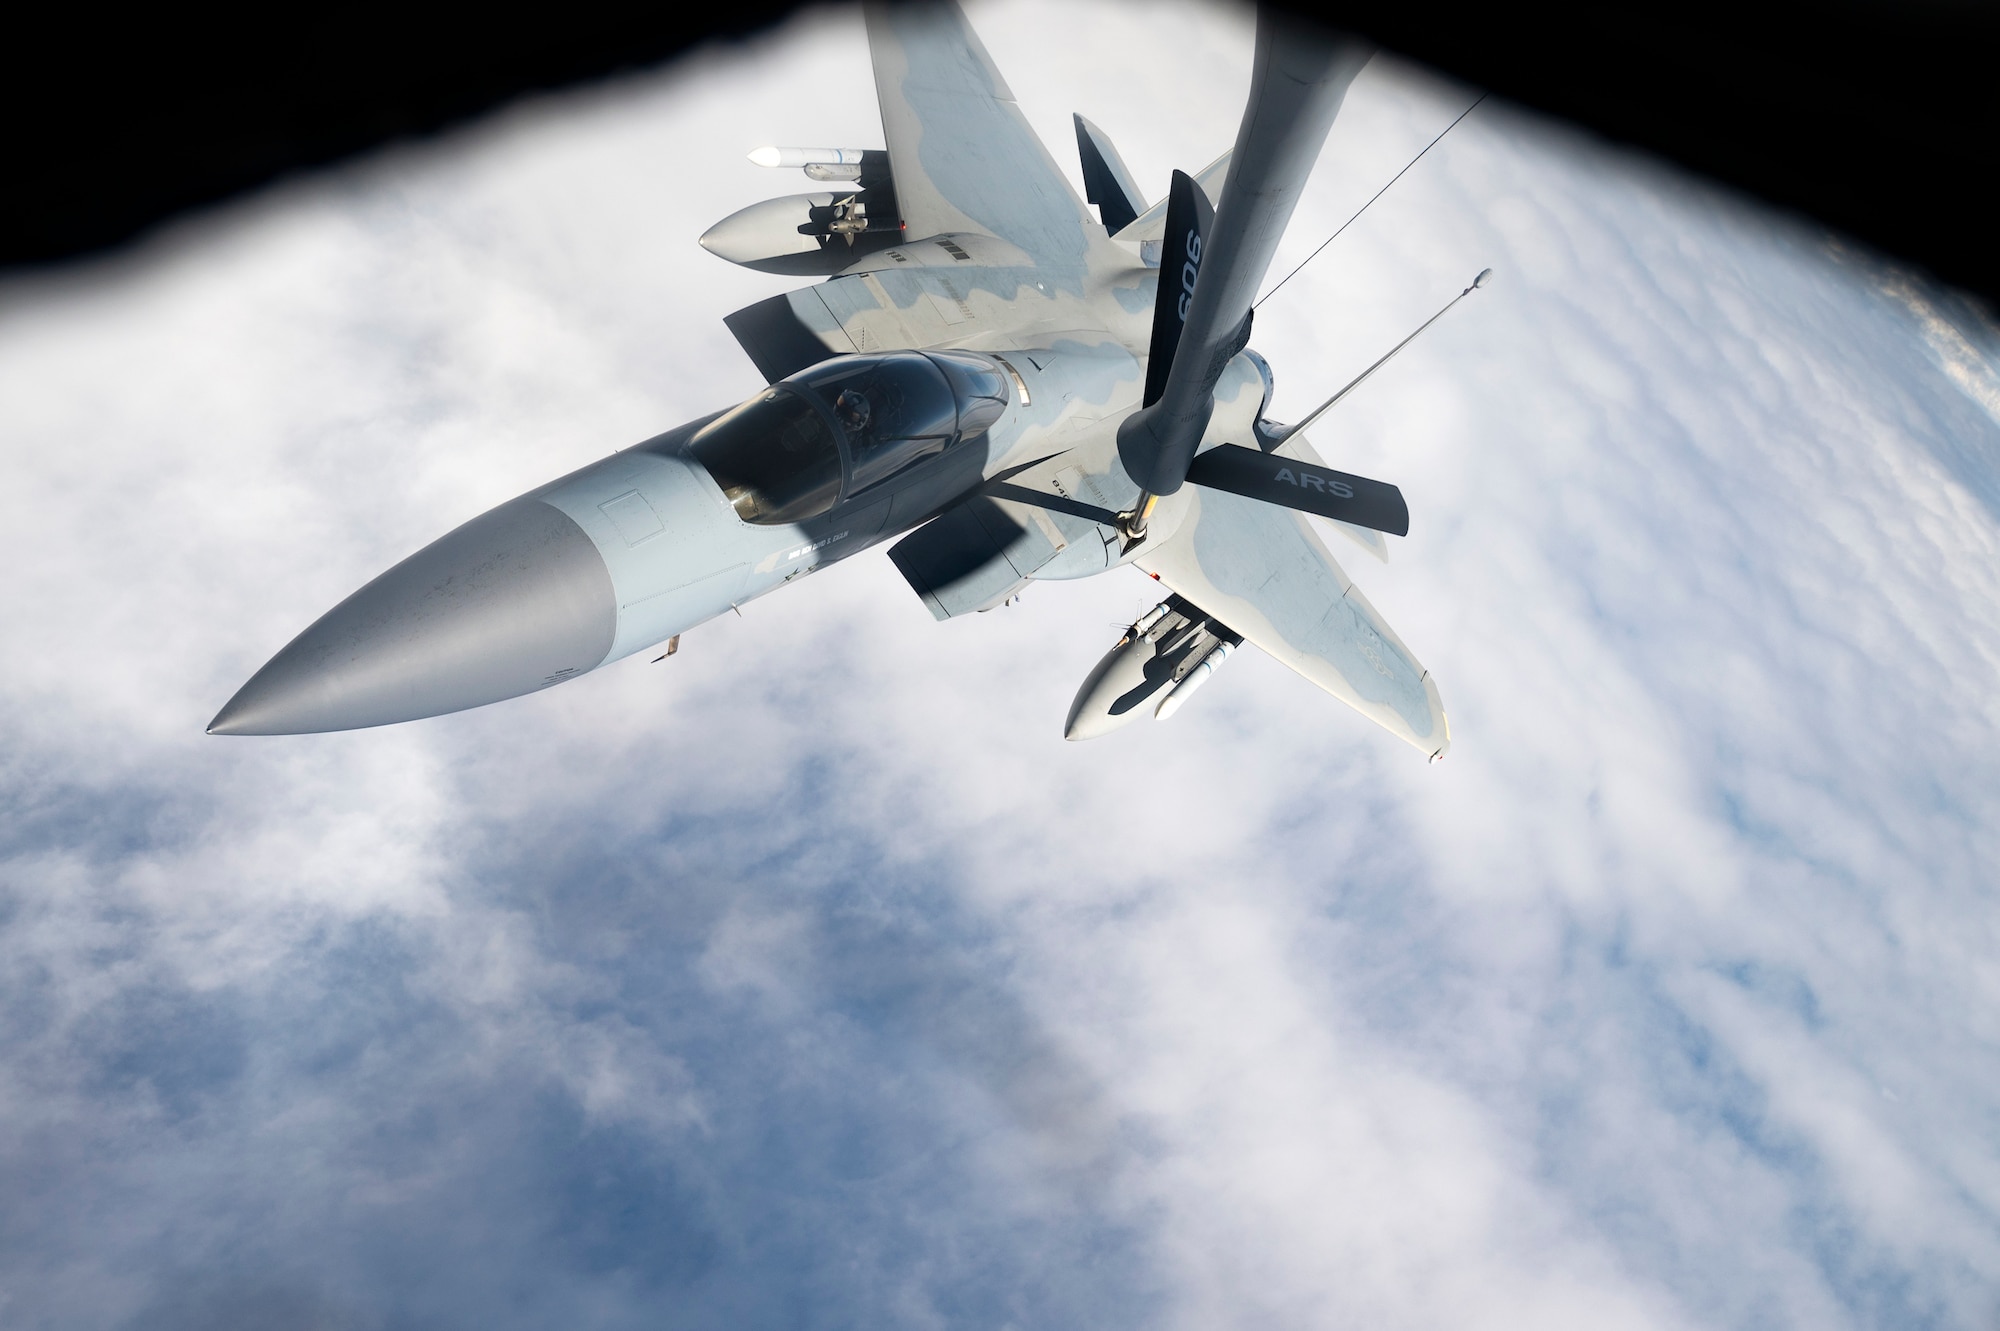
(845, 425)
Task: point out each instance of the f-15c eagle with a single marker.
(1006, 386)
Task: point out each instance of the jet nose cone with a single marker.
(513, 601)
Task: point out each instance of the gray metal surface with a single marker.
(972, 557)
(1000, 258)
(667, 537)
(1289, 483)
(1262, 571)
(964, 157)
(1300, 78)
(513, 601)
(1154, 656)
(1107, 181)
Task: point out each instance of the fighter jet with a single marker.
(1004, 385)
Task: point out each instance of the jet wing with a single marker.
(1262, 571)
(962, 155)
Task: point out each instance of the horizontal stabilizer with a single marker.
(1290, 483)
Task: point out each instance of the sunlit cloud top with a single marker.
(810, 978)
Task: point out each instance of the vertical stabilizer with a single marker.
(1106, 181)
(1189, 219)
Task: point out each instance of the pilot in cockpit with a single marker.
(854, 412)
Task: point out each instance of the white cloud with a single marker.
(810, 976)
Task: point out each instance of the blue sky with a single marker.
(809, 978)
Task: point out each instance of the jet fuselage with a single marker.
(632, 550)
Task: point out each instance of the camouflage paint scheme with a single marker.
(1001, 257)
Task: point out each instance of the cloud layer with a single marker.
(809, 978)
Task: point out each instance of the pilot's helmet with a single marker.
(853, 409)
